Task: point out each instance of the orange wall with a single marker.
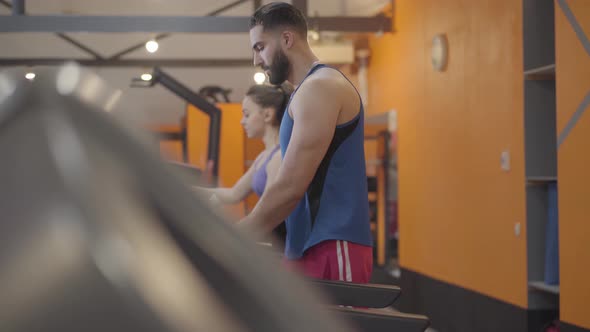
(197, 124)
(457, 207)
(573, 84)
(231, 151)
(171, 150)
(232, 145)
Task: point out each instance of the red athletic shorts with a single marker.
(336, 260)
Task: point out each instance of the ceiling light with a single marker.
(146, 77)
(152, 46)
(259, 78)
(313, 35)
(30, 76)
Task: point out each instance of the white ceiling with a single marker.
(157, 105)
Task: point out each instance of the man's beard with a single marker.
(279, 70)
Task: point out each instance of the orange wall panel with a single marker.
(165, 128)
(171, 150)
(457, 207)
(231, 156)
(573, 84)
(197, 124)
(231, 151)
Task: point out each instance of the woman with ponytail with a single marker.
(263, 108)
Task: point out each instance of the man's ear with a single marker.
(287, 38)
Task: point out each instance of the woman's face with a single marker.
(252, 118)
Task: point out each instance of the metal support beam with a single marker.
(170, 24)
(138, 46)
(166, 35)
(80, 45)
(129, 62)
(18, 7)
(113, 24)
(60, 35)
(301, 5)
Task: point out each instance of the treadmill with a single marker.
(197, 99)
(100, 234)
(336, 292)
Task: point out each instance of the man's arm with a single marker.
(315, 113)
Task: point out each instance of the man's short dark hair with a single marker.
(279, 14)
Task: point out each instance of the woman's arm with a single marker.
(235, 194)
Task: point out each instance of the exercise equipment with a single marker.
(371, 320)
(358, 295)
(193, 174)
(86, 208)
(340, 293)
(200, 101)
(129, 246)
(343, 294)
(379, 198)
(212, 92)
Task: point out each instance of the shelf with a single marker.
(374, 162)
(540, 153)
(538, 32)
(541, 286)
(379, 119)
(541, 179)
(540, 128)
(541, 73)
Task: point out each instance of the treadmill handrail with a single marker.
(358, 295)
(377, 320)
(202, 104)
(185, 166)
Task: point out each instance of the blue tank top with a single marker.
(335, 205)
(260, 176)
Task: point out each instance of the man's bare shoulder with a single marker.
(325, 83)
(327, 78)
(327, 89)
(319, 83)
